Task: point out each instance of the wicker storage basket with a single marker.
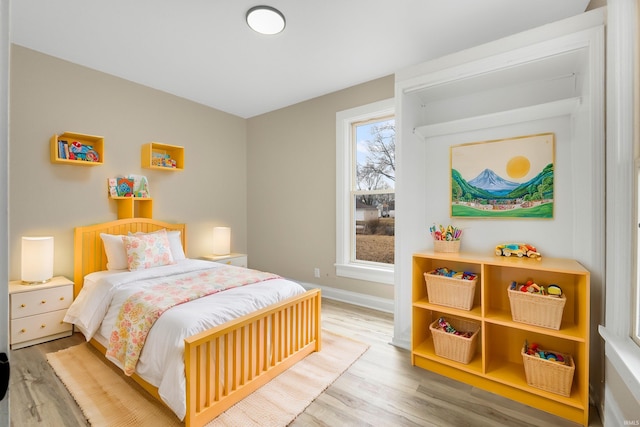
(455, 347)
(446, 245)
(538, 310)
(549, 375)
(449, 291)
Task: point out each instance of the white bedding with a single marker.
(161, 362)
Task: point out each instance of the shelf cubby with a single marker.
(60, 156)
(134, 207)
(153, 151)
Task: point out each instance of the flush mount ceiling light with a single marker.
(265, 20)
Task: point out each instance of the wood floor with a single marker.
(380, 389)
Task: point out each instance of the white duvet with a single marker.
(161, 362)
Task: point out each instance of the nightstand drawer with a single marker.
(40, 301)
(239, 260)
(41, 325)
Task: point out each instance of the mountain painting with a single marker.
(508, 178)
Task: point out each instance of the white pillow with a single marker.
(116, 254)
(175, 243)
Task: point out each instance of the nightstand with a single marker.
(239, 260)
(36, 311)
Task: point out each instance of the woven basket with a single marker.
(549, 375)
(449, 291)
(455, 347)
(534, 309)
(446, 245)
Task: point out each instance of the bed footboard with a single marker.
(225, 364)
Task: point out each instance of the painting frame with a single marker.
(511, 178)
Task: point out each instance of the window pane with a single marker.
(375, 155)
(374, 216)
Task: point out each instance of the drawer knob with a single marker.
(23, 305)
(44, 301)
(43, 326)
(61, 298)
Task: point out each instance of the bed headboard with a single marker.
(88, 249)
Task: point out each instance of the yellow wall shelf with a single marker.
(153, 153)
(497, 364)
(134, 207)
(97, 142)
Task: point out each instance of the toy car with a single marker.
(518, 249)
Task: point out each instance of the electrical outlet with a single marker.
(316, 272)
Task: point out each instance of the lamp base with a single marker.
(35, 282)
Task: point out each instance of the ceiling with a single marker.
(202, 50)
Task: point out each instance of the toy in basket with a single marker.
(548, 370)
(455, 338)
(536, 305)
(446, 239)
(450, 288)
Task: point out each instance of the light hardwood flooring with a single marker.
(379, 389)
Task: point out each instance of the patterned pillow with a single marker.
(148, 250)
(175, 242)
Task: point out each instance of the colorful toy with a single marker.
(449, 233)
(446, 326)
(534, 350)
(78, 151)
(518, 249)
(444, 271)
(534, 288)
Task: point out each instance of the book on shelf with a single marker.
(63, 149)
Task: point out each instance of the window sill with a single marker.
(366, 272)
(624, 355)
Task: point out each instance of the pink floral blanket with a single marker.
(142, 309)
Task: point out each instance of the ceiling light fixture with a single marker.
(265, 20)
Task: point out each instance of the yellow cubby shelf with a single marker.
(153, 153)
(134, 207)
(497, 364)
(59, 154)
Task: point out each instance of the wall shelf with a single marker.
(154, 152)
(497, 364)
(501, 118)
(58, 153)
(134, 207)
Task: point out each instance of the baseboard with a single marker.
(355, 298)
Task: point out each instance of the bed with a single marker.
(223, 363)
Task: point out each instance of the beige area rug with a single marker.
(109, 398)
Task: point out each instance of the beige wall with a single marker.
(51, 96)
(291, 167)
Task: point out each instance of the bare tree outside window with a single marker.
(373, 190)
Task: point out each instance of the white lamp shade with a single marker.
(37, 259)
(221, 240)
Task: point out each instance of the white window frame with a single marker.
(635, 311)
(345, 266)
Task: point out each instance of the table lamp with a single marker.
(221, 240)
(37, 260)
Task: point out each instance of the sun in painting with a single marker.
(518, 166)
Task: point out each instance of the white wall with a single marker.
(50, 96)
(622, 355)
(549, 79)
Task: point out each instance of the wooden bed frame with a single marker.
(226, 363)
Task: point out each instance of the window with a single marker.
(365, 205)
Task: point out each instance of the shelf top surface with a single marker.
(543, 263)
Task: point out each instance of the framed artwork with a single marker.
(507, 178)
